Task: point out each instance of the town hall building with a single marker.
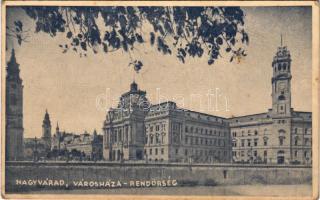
(137, 130)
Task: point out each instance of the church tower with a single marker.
(281, 83)
(46, 130)
(14, 111)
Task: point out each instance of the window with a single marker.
(265, 153)
(162, 151)
(177, 151)
(156, 151)
(120, 135)
(146, 140)
(306, 141)
(249, 142)
(191, 129)
(306, 131)
(255, 132)
(234, 153)
(157, 138)
(186, 140)
(296, 141)
(242, 142)
(296, 130)
(295, 153)
(186, 152)
(281, 141)
(150, 151)
(163, 127)
(151, 139)
(186, 129)
(162, 137)
(157, 128)
(234, 144)
(255, 153)
(255, 142)
(151, 128)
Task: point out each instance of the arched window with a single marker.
(284, 66)
(157, 138)
(151, 139)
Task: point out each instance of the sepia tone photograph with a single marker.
(160, 99)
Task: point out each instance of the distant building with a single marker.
(39, 147)
(137, 130)
(14, 111)
(281, 135)
(89, 145)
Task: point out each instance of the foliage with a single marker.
(180, 31)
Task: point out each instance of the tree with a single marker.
(180, 31)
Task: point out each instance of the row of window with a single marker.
(154, 151)
(204, 131)
(250, 132)
(157, 127)
(307, 154)
(306, 130)
(204, 141)
(155, 138)
(255, 132)
(249, 153)
(307, 141)
(251, 142)
(187, 152)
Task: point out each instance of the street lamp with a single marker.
(35, 151)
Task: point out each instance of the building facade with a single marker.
(87, 146)
(280, 135)
(137, 130)
(14, 111)
(35, 148)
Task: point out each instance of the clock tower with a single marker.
(14, 111)
(281, 83)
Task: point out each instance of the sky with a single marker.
(77, 92)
